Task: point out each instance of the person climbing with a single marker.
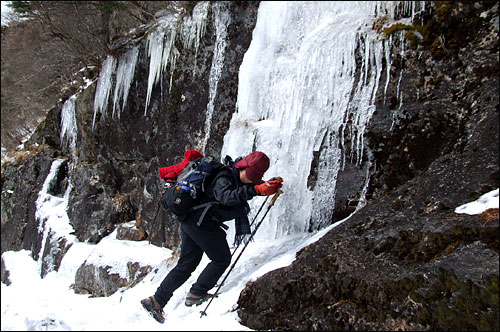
(232, 187)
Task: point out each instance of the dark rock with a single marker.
(407, 260)
(5, 274)
(129, 231)
(113, 171)
(100, 281)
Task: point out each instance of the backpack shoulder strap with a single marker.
(189, 168)
(217, 169)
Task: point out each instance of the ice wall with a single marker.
(298, 85)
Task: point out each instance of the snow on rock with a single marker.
(114, 264)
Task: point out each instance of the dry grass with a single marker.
(121, 203)
(20, 156)
(489, 215)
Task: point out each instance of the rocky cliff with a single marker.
(113, 168)
(406, 260)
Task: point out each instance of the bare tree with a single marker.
(41, 53)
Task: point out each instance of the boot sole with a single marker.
(192, 304)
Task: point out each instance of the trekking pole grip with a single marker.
(275, 197)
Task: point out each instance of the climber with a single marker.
(231, 188)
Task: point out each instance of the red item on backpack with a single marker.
(172, 172)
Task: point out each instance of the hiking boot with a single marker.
(152, 306)
(196, 299)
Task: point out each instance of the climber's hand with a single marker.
(269, 187)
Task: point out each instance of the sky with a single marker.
(50, 304)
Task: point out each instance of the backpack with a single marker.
(183, 195)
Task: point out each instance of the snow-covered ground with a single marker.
(32, 303)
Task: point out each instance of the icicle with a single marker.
(399, 96)
(170, 53)
(160, 43)
(222, 20)
(194, 28)
(160, 49)
(68, 124)
(388, 61)
(124, 76)
(154, 46)
(362, 196)
(161, 52)
(103, 87)
(294, 84)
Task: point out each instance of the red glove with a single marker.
(269, 187)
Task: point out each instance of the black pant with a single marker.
(208, 238)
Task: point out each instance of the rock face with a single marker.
(20, 188)
(407, 260)
(99, 276)
(130, 231)
(100, 281)
(113, 170)
(404, 261)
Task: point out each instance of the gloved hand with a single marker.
(269, 187)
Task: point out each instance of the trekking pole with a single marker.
(150, 228)
(254, 218)
(204, 312)
(251, 224)
(267, 197)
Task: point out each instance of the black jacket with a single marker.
(229, 193)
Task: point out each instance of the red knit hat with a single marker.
(256, 164)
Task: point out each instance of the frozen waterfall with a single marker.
(222, 20)
(162, 54)
(299, 84)
(53, 221)
(311, 71)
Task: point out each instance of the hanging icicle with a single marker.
(104, 87)
(124, 76)
(162, 54)
(299, 89)
(69, 129)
